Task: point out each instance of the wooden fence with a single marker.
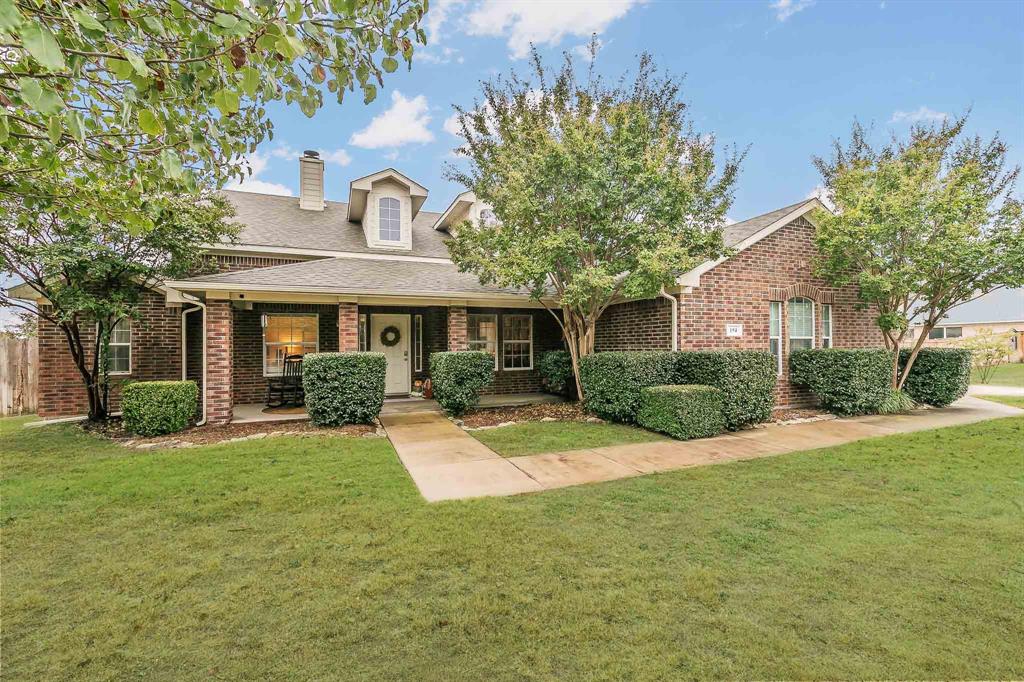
(19, 376)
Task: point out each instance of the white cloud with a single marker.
(522, 22)
(405, 122)
(784, 9)
(286, 151)
(441, 55)
(819, 193)
(258, 163)
(451, 125)
(583, 50)
(923, 113)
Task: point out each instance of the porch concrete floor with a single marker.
(253, 412)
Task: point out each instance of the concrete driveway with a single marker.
(446, 463)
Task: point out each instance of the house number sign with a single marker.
(734, 330)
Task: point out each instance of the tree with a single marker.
(157, 96)
(988, 351)
(921, 225)
(92, 275)
(600, 191)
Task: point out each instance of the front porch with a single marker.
(251, 413)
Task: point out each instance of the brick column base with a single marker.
(458, 333)
(348, 327)
(219, 366)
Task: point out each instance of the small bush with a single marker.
(846, 381)
(745, 377)
(897, 402)
(555, 368)
(683, 412)
(155, 408)
(612, 382)
(458, 376)
(939, 375)
(343, 388)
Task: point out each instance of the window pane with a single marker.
(482, 328)
(801, 318)
(799, 344)
(954, 332)
(517, 327)
(937, 333)
(775, 319)
(121, 333)
(390, 218)
(516, 355)
(120, 357)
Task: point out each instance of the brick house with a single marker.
(373, 273)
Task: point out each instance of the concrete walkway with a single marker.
(447, 463)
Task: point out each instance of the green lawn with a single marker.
(535, 437)
(315, 558)
(1011, 400)
(1004, 375)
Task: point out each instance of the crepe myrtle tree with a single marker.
(92, 275)
(921, 225)
(156, 94)
(601, 191)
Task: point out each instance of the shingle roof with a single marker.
(361, 275)
(737, 232)
(269, 220)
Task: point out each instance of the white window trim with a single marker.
(826, 334)
(776, 308)
(362, 334)
(497, 335)
(944, 336)
(505, 342)
(417, 341)
(814, 321)
(128, 322)
(380, 219)
(263, 336)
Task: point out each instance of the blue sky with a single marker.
(782, 77)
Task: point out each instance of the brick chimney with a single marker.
(311, 181)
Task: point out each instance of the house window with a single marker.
(119, 350)
(417, 336)
(801, 323)
(826, 326)
(285, 335)
(483, 334)
(775, 334)
(946, 333)
(487, 218)
(390, 220)
(517, 341)
(364, 339)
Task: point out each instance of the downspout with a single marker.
(184, 355)
(675, 317)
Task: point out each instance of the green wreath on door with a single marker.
(390, 336)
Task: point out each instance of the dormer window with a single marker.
(487, 218)
(390, 220)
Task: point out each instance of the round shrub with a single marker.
(746, 379)
(155, 408)
(612, 381)
(458, 376)
(555, 368)
(846, 381)
(939, 375)
(683, 412)
(343, 388)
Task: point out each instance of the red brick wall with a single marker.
(156, 355)
(637, 325)
(348, 327)
(457, 328)
(226, 263)
(219, 362)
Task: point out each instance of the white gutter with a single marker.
(184, 355)
(675, 317)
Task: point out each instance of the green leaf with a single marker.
(250, 80)
(121, 69)
(41, 44)
(86, 20)
(369, 93)
(76, 129)
(226, 100)
(150, 123)
(137, 62)
(290, 47)
(225, 20)
(10, 17)
(318, 74)
(39, 98)
(171, 163)
(54, 129)
(389, 64)
(5, 129)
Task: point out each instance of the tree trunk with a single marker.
(925, 331)
(579, 333)
(90, 377)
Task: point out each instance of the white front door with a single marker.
(398, 376)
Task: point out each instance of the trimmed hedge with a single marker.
(746, 379)
(683, 412)
(846, 381)
(458, 376)
(939, 375)
(555, 369)
(155, 408)
(612, 382)
(343, 388)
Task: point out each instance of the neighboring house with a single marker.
(998, 312)
(312, 275)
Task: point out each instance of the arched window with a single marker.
(801, 323)
(390, 220)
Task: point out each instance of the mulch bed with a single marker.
(788, 415)
(209, 435)
(492, 416)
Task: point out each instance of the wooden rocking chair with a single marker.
(287, 388)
